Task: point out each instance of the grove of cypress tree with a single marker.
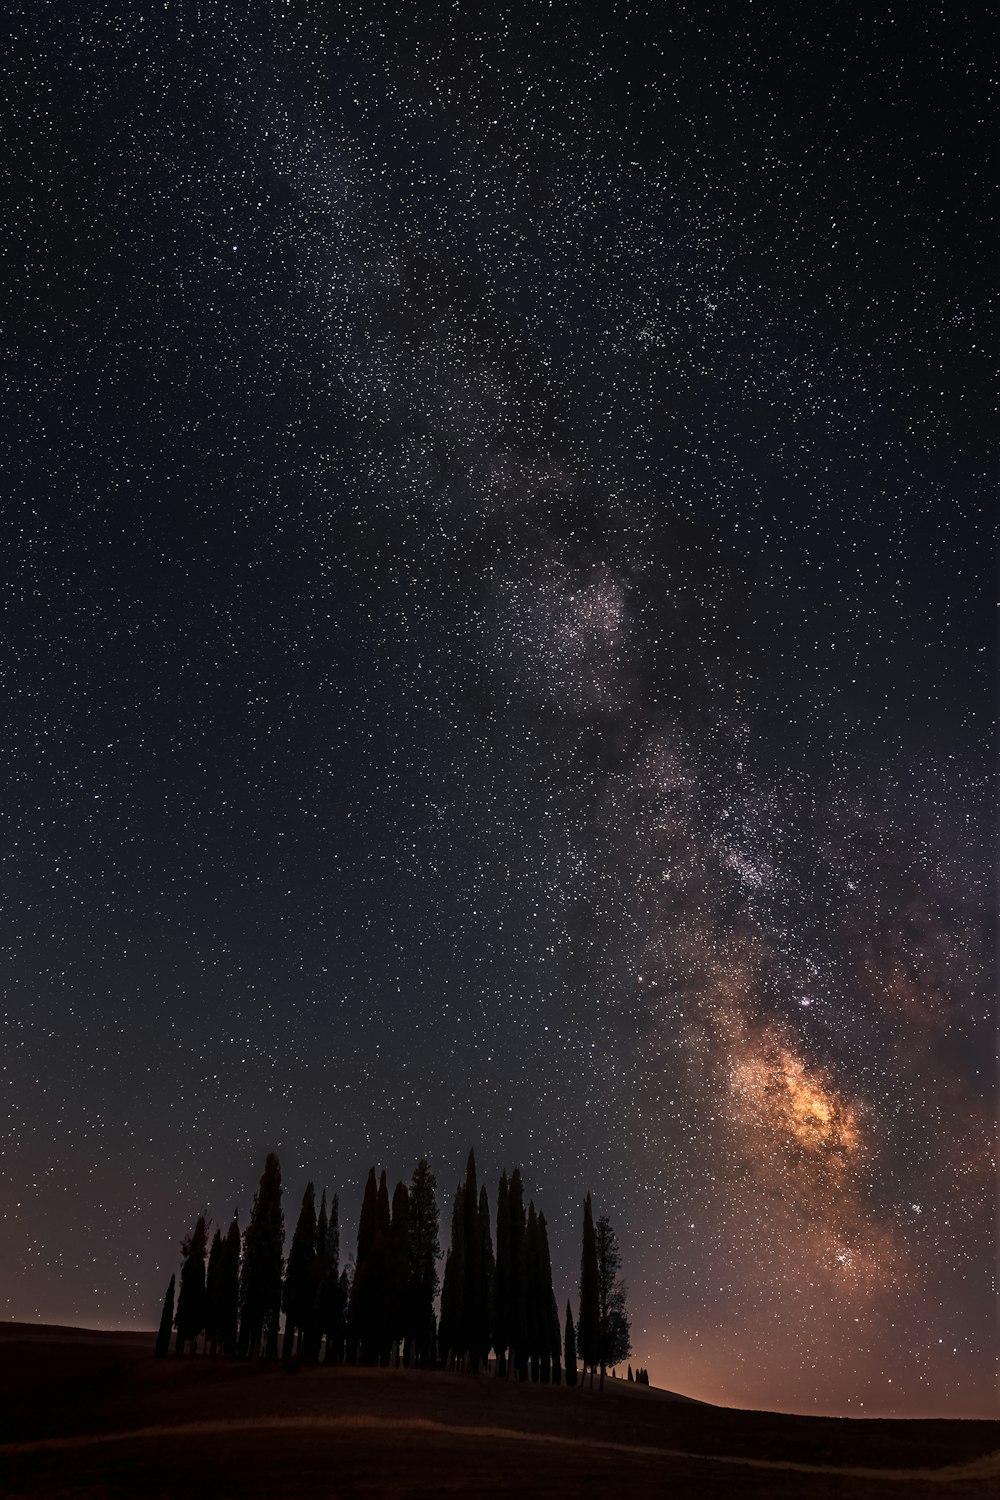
(588, 1327)
(501, 1283)
(166, 1322)
(570, 1348)
(299, 1289)
(423, 1256)
(261, 1267)
(190, 1319)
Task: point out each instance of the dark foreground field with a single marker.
(95, 1415)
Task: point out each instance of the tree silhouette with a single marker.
(550, 1366)
(399, 1269)
(588, 1326)
(424, 1251)
(326, 1319)
(377, 1353)
(534, 1318)
(299, 1291)
(360, 1318)
(166, 1322)
(501, 1282)
(212, 1294)
(260, 1271)
(472, 1296)
(453, 1287)
(517, 1307)
(570, 1347)
(614, 1342)
(190, 1318)
(487, 1277)
(229, 1290)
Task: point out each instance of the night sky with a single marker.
(497, 651)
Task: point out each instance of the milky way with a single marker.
(498, 654)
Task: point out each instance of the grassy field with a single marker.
(93, 1414)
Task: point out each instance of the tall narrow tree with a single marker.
(299, 1288)
(424, 1251)
(261, 1268)
(378, 1270)
(399, 1268)
(190, 1318)
(331, 1306)
(487, 1278)
(518, 1328)
(229, 1290)
(472, 1297)
(588, 1326)
(166, 1322)
(359, 1315)
(614, 1341)
(532, 1294)
(453, 1287)
(212, 1294)
(550, 1364)
(501, 1287)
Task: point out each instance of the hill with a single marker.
(93, 1414)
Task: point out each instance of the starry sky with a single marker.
(498, 650)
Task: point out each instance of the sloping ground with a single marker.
(95, 1415)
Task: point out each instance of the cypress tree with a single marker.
(212, 1294)
(487, 1277)
(190, 1318)
(549, 1313)
(501, 1285)
(359, 1315)
(260, 1271)
(319, 1290)
(472, 1297)
(570, 1347)
(368, 1222)
(378, 1276)
(399, 1269)
(453, 1286)
(299, 1290)
(614, 1342)
(517, 1306)
(588, 1327)
(229, 1290)
(532, 1293)
(424, 1251)
(166, 1322)
(330, 1305)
